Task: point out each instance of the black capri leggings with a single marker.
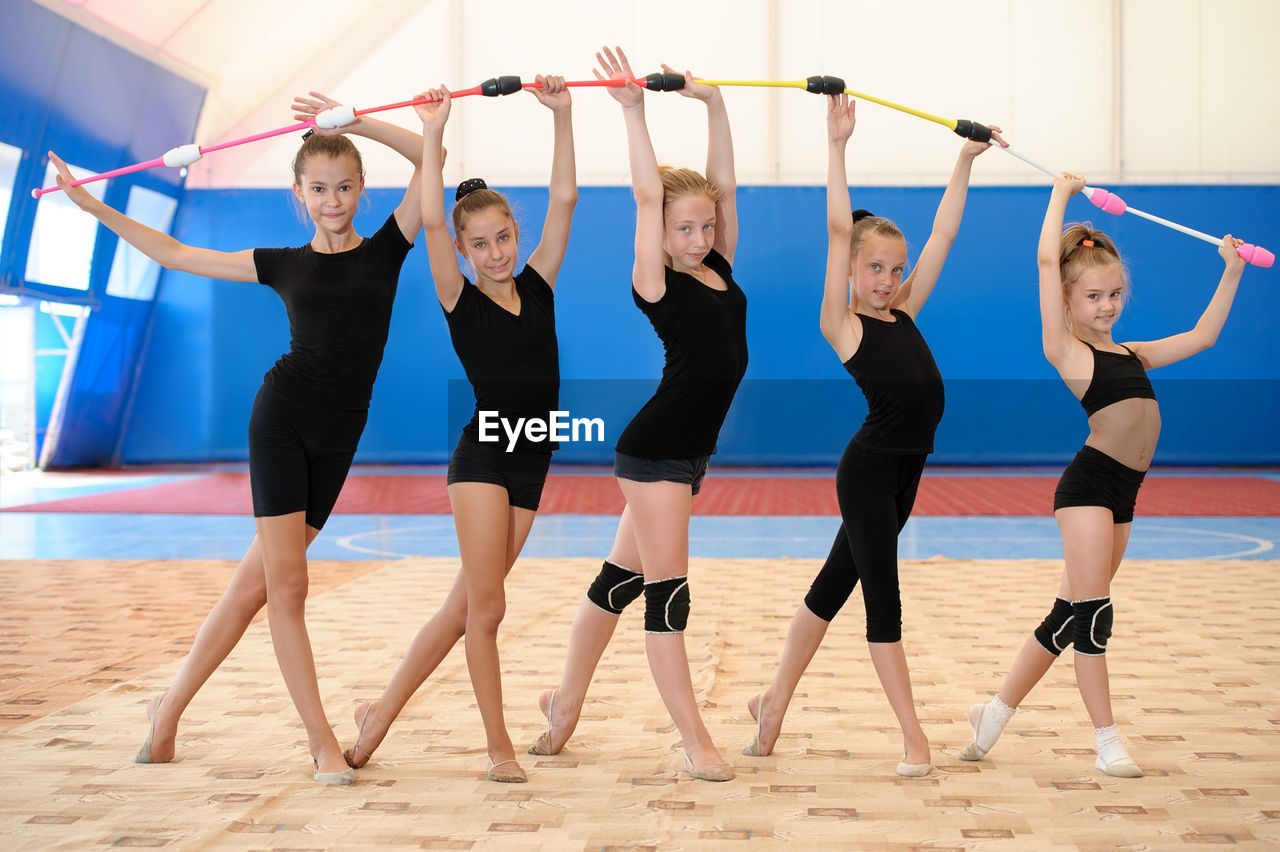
(299, 455)
(876, 492)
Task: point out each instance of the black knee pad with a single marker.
(1054, 633)
(1093, 619)
(666, 605)
(615, 587)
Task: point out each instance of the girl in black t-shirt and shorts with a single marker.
(686, 232)
(868, 317)
(503, 329)
(307, 417)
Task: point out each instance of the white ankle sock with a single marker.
(1113, 757)
(995, 716)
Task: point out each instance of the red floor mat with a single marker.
(228, 494)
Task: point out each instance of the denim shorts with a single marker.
(686, 471)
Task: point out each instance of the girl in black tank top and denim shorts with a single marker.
(1083, 285)
(503, 329)
(868, 317)
(686, 233)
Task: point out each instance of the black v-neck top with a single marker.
(512, 360)
(704, 335)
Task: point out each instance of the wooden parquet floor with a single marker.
(1195, 676)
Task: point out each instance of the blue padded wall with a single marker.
(99, 107)
(1005, 405)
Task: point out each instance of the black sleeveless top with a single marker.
(898, 376)
(1116, 376)
(704, 333)
(512, 360)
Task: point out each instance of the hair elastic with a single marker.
(469, 186)
(1087, 243)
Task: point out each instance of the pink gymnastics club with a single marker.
(1112, 203)
(185, 155)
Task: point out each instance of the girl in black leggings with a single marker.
(868, 314)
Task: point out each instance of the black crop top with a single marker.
(1116, 376)
(900, 379)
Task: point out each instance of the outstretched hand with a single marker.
(79, 196)
(435, 112)
(306, 108)
(553, 94)
(618, 68)
(840, 117)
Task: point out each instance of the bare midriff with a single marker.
(1127, 431)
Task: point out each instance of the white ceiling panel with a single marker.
(1087, 86)
(151, 21)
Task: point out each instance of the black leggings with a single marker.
(299, 455)
(876, 492)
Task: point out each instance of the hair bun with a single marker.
(860, 214)
(469, 186)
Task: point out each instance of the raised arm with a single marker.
(160, 247)
(441, 254)
(649, 275)
(404, 142)
(1157, 353)
(563, 189)
(838, 324)
(720, 168)
(946, 224)
(1058, 341)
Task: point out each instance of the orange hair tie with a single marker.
(1087, 243)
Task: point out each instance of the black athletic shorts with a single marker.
(299, 455)
(1095, 479)
(522, 473)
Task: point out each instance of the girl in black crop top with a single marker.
(338, 290)
(503, 329)
(1082, 292)
(867, 316)
(686, 233)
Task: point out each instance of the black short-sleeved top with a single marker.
(512, 361)
(1116, 376)
(898, 376)
(704, 334)
(339, 308)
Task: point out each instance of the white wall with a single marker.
(1154, 91)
